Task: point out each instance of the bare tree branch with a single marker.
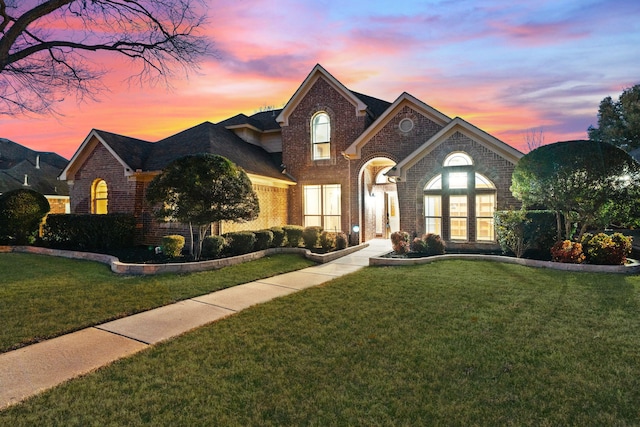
(534, 138)
(41, 63)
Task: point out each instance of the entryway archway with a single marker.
(378, 200)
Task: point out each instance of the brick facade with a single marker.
(346, 126)
(384, 137)
(101, 164)
(485, 162)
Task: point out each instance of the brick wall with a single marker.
(346, 126)
(273, 211)
(102, 165)
(58, 204)
(486, 162)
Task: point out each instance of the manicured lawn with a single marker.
(449, 343)
(42, 296)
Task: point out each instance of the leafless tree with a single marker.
(534, 138)
(46, 46)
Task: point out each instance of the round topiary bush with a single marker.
(293, 234)
(21, 213)
(212, 246)
(311, 236)
(327, 241)
(342, 241)
(278, 237)
(263, 239)
(172, 245)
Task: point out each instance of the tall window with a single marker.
(433, 214)
(99, 197)
(463, 186)
(321, 137)
(485, 206)
(458, 217)
(322, 206)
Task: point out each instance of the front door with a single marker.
(393, 213)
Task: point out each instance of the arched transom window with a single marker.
(459, 203)
(321, 136)
(99, 197)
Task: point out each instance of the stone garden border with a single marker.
(183, 267)
(629, 268)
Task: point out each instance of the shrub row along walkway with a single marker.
(30, 370)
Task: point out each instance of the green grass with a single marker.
(42, 297)
(454, 343)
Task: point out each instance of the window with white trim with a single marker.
(433, 214)
(485, 206)
(321, 206)
(321, 136)
(99, 197)
(448, 199)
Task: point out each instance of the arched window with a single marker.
(99, 197)
(450, 197)
(457, 159)
(321, 136)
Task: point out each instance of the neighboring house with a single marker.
(331, 157)
(21, 167)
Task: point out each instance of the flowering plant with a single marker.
(606, 250)
(400, 242)
(568, 252)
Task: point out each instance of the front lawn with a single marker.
(449, 343)
(42, 297)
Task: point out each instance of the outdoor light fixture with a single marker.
(356, 228)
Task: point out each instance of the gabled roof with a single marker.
(129, 152)
(315, 74)
(136, 155)
(215, 139)
(41, 169)
(263, 121)
(389, 113)
(464, 127)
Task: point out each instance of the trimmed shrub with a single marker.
(310, 236)
(278, 237)
(418, 245)
(400, 242)
(342, 241)
(568, 252)
(21, 213)
(293, 235)
(606, 250)
(327, 241)
(89, 232)
(240, 242)
(434, 244)
(172, 245)
(526, 233)
(263, 239)
(212, 246)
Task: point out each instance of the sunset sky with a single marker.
(505, 66)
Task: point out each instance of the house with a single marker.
(21, 167)
(331, 157)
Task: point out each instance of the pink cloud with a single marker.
(538, 34)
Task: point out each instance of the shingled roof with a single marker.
(215, 139)
(264, 121)
(136, 154)
(376, 106)
(41, 168)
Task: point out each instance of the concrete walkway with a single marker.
(30, 370)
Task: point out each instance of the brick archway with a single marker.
(379, 212)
